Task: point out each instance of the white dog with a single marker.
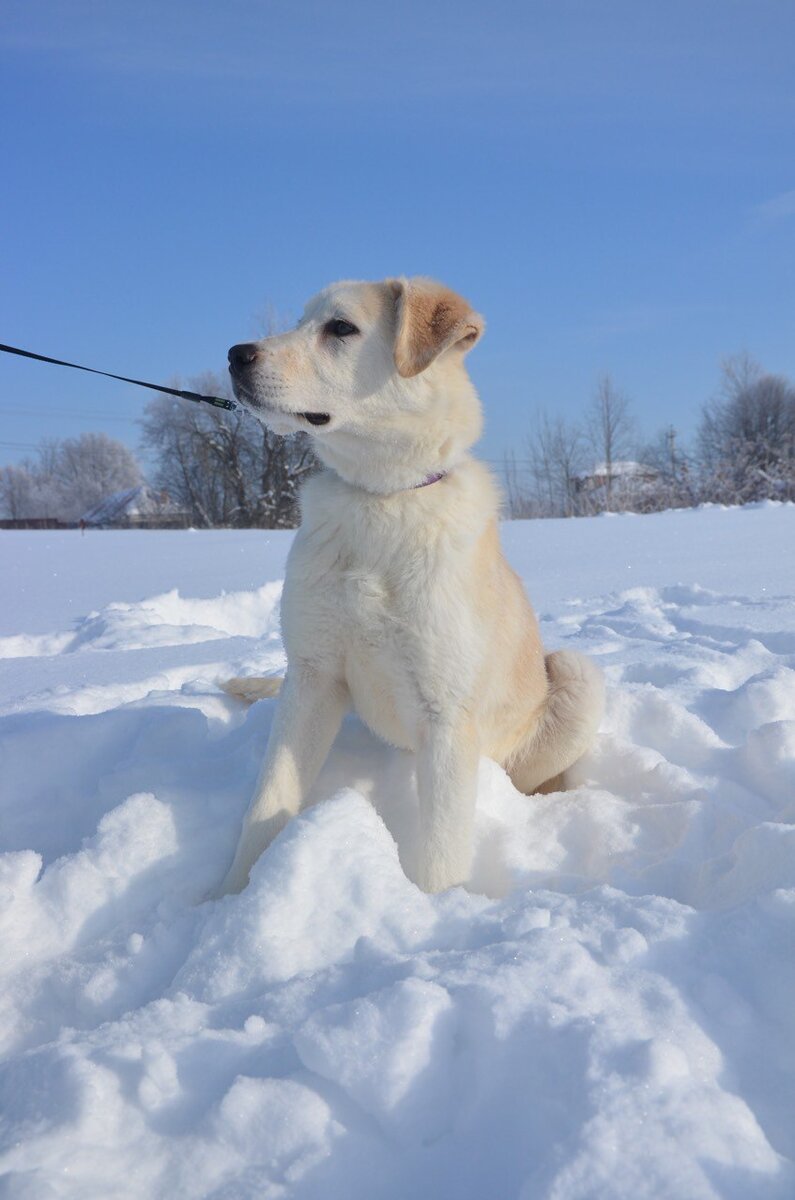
(397, 598)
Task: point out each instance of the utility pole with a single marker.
(670, 436)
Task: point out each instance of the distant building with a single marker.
(136, 508)
(624, 482)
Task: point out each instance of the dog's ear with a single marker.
(429, 320)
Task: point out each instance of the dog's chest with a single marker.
(368, 595)
(360, 616)
(370, 559)
(380, 593)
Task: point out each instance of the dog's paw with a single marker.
(249, 688)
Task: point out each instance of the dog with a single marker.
(398, 601)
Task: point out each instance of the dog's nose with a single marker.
(242, 355)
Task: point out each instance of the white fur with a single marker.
(397, 599)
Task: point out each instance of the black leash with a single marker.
(216, 401)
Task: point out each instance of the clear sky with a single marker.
(611, 183)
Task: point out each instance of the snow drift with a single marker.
(605, 1012)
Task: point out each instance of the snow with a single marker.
(605, 1013)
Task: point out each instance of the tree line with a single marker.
(222, 468)
(743, 450)
(211, 467)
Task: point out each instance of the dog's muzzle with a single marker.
(241, 358)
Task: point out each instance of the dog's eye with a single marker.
(339, 328)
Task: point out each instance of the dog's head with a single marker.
(369, 365)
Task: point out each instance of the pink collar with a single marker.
(431, 479)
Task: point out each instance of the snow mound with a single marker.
(604, 1013)
(165, 620)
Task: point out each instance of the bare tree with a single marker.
(555, 450)
(609, 428)
(546, 482)
(224, 468)
(520, 503)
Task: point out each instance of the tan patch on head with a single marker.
(430, 320)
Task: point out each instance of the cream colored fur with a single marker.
(398, 601)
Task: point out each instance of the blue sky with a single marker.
(611, 183)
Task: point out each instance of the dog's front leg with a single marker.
(447, 764)
(309, 714)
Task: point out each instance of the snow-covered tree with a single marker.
(17, 487)
(746, 439)
(87, 469)
(69, 477)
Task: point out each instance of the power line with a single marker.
(52, 412)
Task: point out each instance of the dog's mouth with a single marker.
(252, 401)
(312, 418)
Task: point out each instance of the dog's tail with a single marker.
(568, 724)
(253, 687)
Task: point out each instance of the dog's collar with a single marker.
(413, 487)
(431, 479)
